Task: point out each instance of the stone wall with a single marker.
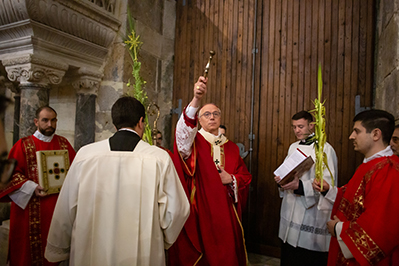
(155, 23)
(387, 57)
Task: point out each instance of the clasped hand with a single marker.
(224, 176)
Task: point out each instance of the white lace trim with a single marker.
(185, 136)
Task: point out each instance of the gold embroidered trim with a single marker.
(35, 237)
(242, 233)
(364, 243)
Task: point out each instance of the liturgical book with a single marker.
(297, 163)
(52, 167)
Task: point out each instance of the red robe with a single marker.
(29, 227)
(369, 206)
(213, 234)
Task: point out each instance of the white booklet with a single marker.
(297, 163)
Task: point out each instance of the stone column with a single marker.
(17, 107)
(35, 76)
(86, 87)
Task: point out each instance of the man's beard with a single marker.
(48, 131)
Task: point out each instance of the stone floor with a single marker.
(260, 260)
(254, 259)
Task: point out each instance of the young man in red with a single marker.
(364, 223)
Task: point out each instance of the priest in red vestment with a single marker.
(364, 221)
(216, 182)
(31, 208)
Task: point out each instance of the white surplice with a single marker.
(302, 223)
(117, 208)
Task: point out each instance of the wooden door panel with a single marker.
(292, 38)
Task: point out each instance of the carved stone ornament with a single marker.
(87, 84)
(31, 73)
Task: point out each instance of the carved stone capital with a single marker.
(86, 84)
(32, 73)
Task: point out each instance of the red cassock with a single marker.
(213, 234)
(369, 206)
(29, 227)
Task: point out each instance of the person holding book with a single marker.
(364, 224)
(303, 215)
(31, 207)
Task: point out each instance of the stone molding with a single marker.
(30, 58)
(80, 18)
(31, 69)
(76, 32)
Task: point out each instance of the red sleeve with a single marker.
(375, 233)
(189, 121)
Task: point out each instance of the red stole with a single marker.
(368, 206)
(213, 233)
(29, 227)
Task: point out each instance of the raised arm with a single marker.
(186, 128)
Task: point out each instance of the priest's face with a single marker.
(47, 122)
(363, 142)
(209, 118)
(395, 142)
(302, 128)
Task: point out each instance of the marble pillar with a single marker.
(86, 94)
(17, 107)
(35, 76)
(33, 96)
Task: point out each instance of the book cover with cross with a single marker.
(52, 167)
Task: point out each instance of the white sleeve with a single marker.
(173, 205)
(327, 202)
(22, 196)
(60, 232)
(185, 134)
(344, 248)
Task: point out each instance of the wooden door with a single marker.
(291, 38)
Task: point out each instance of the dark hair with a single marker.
(38, 111)
(372, 119)
(303, 114)
(223, 126)
(126, 112)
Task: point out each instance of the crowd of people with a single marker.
(124, 202)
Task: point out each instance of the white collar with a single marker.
(384, 153)
(213, 139)
(42, 137)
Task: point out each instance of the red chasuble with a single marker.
(213, 234)
(29, 227)
(369, 206)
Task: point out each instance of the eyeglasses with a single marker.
(7, 167)
(207, 115)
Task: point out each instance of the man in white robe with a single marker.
(122, 202)
(304, 213)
